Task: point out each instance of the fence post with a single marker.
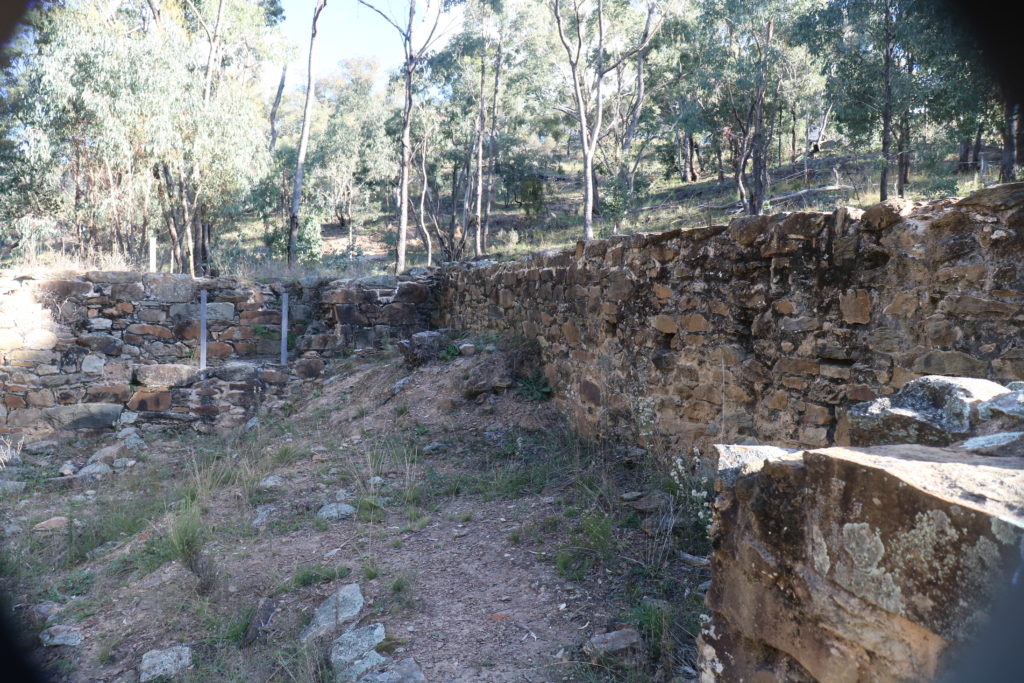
(284, 328)
(202, 330)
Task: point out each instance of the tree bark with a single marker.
(1008, 130)
(481, 124)
(421, 220)
(300, 163)
(976, 151)
(883, 183)
(273, 110)
(492, 138)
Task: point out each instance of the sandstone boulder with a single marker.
(934, 410)
(423, 347)
(859, 564)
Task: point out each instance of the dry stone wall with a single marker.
(767, 329)
(86, 352)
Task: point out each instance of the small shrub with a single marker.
(535, 387)
(450, 352)
(187, 537)
(370, 570)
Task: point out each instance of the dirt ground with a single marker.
(470, 539)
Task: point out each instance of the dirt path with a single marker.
(463, 533)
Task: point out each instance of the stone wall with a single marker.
(81, 353)
(767, 329)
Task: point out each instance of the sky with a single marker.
(346, 30)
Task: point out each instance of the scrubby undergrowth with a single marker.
(489, 540)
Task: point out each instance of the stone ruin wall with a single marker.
(83, 353)
(830, 563)
(764, 330)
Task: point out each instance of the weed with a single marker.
(187, 537)
(450, 352)
(236, 629)
(395, 542)
(288, 455)
(77, 582)
(535, 387)
(467, 517)
(388, 645)
(369, 509)
(401, 410)
(307, 576)
(370, 570)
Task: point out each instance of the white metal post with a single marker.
(202, 330)
(284, 328)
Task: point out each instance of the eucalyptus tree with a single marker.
(594, 47)
(125, 117)
(352, 157)
(300, 161)
(415, 48)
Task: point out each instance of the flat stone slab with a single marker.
(336, 511)
(167, 663)
(333, 612)
(61, 634)
(352, 653)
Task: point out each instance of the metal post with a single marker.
(202, 330)
(284, 328)
(152, 253)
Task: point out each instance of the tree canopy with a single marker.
(130, 121)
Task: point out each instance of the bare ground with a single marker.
(482, 547)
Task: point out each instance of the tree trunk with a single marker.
(273, 110)
(759, 157)
(903, 156)
(964, 161)
(406, 160)
(481, 124)
(491, 160)
(792, 134)
(681, 155)
(1007, 172)
(695, 157)
(883, 183)
(976, 152)
(300, 163)
(421, 220)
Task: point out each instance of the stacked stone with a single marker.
(766, 329)
(365, 312)
(77, 351)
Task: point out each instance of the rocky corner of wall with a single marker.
(880, 562)
(87, 352)
(765, 330)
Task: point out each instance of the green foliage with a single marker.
(535, 387)
(449, 353)
(307, 576)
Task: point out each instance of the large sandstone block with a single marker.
(170, 288)
(83, 416)
(166, 375)
(858, 564)
(933, 410)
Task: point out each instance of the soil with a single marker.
(456, 556)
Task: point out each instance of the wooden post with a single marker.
(152, 253)
(284, 328)
(202, 330)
